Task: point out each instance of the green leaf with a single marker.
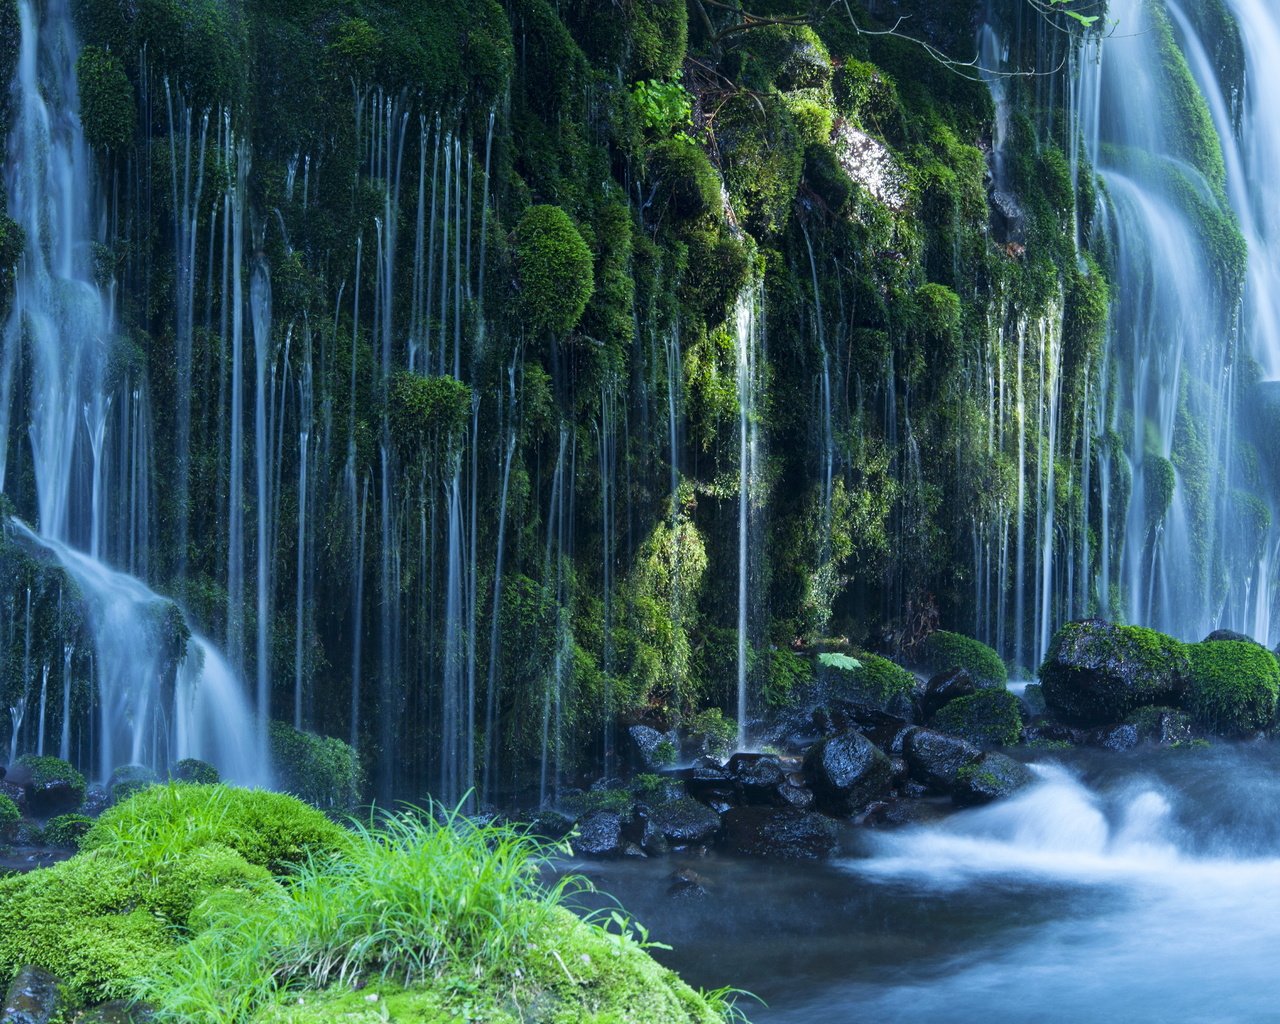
(840, 661)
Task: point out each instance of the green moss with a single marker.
(429, 415)
(813, 120)
(687, 186)
(9, 813)
(875, 681)
(200, 44)
(717, 266)
(1234, 686)
(988, 718)
(1159, 481)
(321, 770)
(106, 99)
(786, 673)
(944, 651)
(555, 269)
(719, 733)
(1184, 112)
(66, 830)
(193, 770)
(53, 771)
(763, 156)
(166, 823)
(938, 310)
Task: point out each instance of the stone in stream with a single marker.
(757, 777)
(129, 779)
(945, 687)
(53, 786)
(685, 822)
(1165, 727)
(778, 833)
(1097, 672)
(1117, 738)
(991, 777)
(651, 751)
(35, 997)
(599, 835)
(934, 759)
(847, 772)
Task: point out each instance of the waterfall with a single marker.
(746, 317)
(158, 694)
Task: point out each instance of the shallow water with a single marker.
(1137, 887)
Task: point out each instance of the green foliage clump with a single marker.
(944, 651)
(763, 157)
(1234, 686)
(200, 44)
(688, 187)
(65, 831)
(716, 268)
(555, 269)
(988, 718)
(1159, 481)
(665, 108)
(876, 681)
(321, 770)
(9, 813)
(786, 673)
(435, 910)
(719, 733)
(938, 310)
(428, 414)
(167, 823)
(106, 99)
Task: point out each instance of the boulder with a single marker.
(778, 833)
(1230, 634)
(945, 687)
(15, 793)
(550, 825)
(847, 772)
(1097, 672)
(685, 822)
(53, 786)
(934, 759)
(1117, 738)
(193, 770)
(1033, 702)
(650, 750)
(599, 835)
(989, 778)
(756, 777)
(35, 997)
(988, 718)
(709, 783)
(1165, 727)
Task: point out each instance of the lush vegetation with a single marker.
(1234, 686)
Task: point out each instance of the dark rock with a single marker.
(118, 1012)
(686, 891)
(129, 779)
(799, 797)
(1097, 672)
(1049, 734)
(935, 759)
(1164, 727)
(96, 800)
(650, 750)
(552, 825)
(599, 835)
(991, 777)
(1114, 737)
(1230, 634)
(1033, 702)
(685, 822)
(757, 777)
(847, 772)
(707, 783)
(779, 833)
(945, 687)
(54, 788)
(35, 997)
(633, 850)
(193, 770)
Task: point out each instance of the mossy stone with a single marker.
(555, 270)
(988, 718)
(1234, 686)
(943, 651)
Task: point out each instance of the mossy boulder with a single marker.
(129, 779)
(555, 269)
(66, 830)
(192, 769)
(9, 816)
(322, 770)
(992, 777)
(53, 786)
(868, 681)
(1166, 727)
(686, 186)
(988, 718)
(1097, 672)
(935, 759)
(1234, 686)
(944, 651)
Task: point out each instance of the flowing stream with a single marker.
(1118, 888)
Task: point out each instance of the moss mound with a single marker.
(106, 99)
(1234, 686)
(555, 267)
(868, 679)
(988, 718)
(321, 770)
(66, 830)
(944, 651)
(9, 813)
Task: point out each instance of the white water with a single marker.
(150, 709)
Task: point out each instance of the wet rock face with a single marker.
(651, 750)
(599, 835)
(934, 759)
(757, 776)
(1096, 672)
(991, 777)
(777, 833)
(35, 997)
(944, 688)
(847, 772)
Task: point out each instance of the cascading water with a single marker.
(747, 316)
(159, 697)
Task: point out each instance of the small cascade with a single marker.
(749, 312)
(828, 445)
(158, 694)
